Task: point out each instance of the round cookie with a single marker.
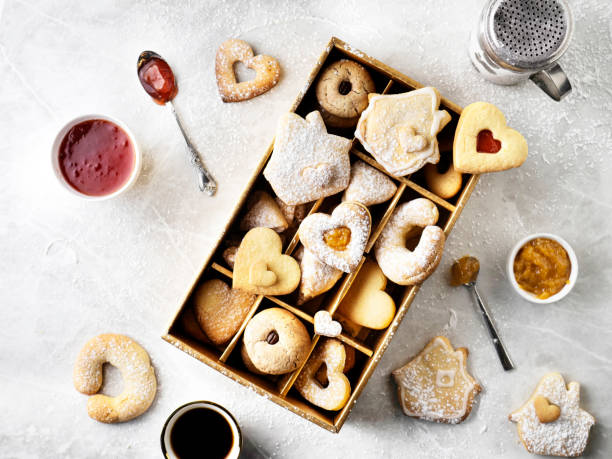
(342, 92)
(447, 184)
(276, 342)
(139, 383)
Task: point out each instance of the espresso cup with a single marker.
(201, 429)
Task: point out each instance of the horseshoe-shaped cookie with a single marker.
(139, 383)
(404, 266)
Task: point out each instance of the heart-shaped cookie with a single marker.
(260, 267)
(220, 310)
(325, 325)
(338, 239)
(366, 302)
(266, 68)
(546, 411)
(484, 143)
(368, 186)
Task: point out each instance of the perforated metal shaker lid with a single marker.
(528, 34)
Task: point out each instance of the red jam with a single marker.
(486, 143)
(96, 157)
(158, 80)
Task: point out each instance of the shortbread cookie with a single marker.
(400, 130)
(551, 422)
(139, 383)
(317, 277)
(229, 255)
(403, 266)
(366, 302)
(342, 92)
(324, 324)
(368, 186)
(329, 352)
(436, 385)
(190, 325)
(263, 211)
(261, 268)
(340, 239)
(484, 143)
(445, 185)
(307, 162)
(266, 68)
(220, 310)
(276, 342)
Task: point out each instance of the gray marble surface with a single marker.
(72, 269)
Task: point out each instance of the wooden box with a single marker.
(369, 344)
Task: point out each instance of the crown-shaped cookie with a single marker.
(307, 162)
(551, 422)
(400, 130)
(436, 385)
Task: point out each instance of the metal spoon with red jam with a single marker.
(158, 81)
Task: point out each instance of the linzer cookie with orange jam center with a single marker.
(435, 385)
(400, 130)
(368, 186)
(551, 422)
(307, 163)
(338, 239)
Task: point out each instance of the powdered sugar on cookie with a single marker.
(368, 186)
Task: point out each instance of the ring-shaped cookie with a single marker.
(139, 383)
(342, 92)
(276, 342)
(404, 266)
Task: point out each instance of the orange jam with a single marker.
(542, 267)
(338, 238)
(464, 270)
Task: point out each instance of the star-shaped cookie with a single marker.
(307, 162)
(551, 422)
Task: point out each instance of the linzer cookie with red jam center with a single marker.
(484, 143)
(551, 422)
(435, 385)
(307, 163)
(400, 130)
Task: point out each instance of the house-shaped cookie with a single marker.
(307, 162)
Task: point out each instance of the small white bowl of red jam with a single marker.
(542, 268)
(96, 157)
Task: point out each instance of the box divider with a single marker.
(386, 216)
(465, 195)
(234, 341)
(388, 87)
(287, 383)
(296, 237)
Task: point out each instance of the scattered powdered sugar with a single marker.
(567, 435)
(350, 215)
(368, 185)
(263, 211)
(307, 163)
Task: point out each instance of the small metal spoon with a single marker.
(502, 352)
(206, 182)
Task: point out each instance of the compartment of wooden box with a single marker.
(369, 344)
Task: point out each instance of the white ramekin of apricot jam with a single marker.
(542, 268)
(95, 157)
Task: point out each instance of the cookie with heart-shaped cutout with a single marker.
(400, 130)
(484, 143)
(436, 385)
(220, 310)
(400, 264)
(338, 239)
(331, 353)
(266, 68)
(551, 421)
(366, 302)
(368, 185)
(261, 268)
(317, 277)
(307, 163)
(324, 325)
